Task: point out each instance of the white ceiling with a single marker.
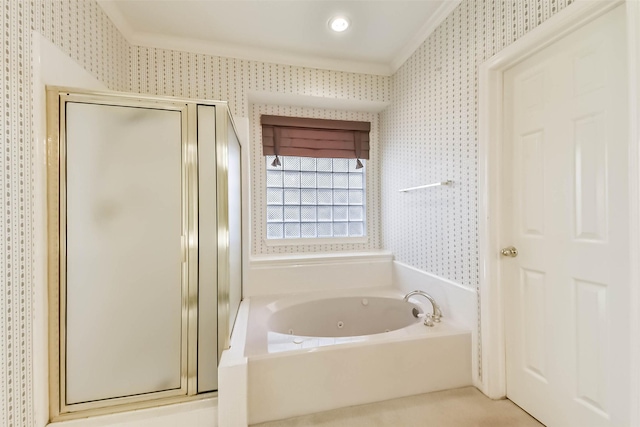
(383, 33)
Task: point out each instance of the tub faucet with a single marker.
(437, 313)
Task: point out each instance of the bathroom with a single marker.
(435, 107)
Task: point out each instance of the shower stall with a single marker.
(145, 248)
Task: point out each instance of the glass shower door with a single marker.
(125, 281)
(235, 221)
(220, 238)
(145, 257)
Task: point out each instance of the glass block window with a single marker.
(315, 198)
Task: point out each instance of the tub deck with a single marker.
(289, 376)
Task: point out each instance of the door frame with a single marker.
(492, 366)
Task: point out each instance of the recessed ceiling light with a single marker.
(339, 23)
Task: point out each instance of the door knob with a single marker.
(510, 252)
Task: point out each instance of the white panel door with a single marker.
(566, 181)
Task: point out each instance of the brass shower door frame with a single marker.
(222, 187)
(57, 98)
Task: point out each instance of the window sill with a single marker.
(297, 259)
(313, 241)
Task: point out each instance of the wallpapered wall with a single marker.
(83, 31)
(174, 73)
(430, 134)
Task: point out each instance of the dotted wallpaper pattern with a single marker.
(259, 185)
(83, 31)
(175, 73)
(430, 134)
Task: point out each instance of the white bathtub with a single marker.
(342, 317)
(321, 351)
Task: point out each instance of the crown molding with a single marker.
(438, 16)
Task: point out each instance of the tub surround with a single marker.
(314, 272)
(412, 360)
(281, 387)
(286, 274)
(257, 386)
(458, 303)
(232, 374)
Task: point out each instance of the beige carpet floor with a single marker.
(464, 407)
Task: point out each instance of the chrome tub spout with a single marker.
(437, 313)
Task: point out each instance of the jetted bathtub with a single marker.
(321, 351)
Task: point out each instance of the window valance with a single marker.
(319, 138)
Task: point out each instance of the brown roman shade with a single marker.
(319, 138)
